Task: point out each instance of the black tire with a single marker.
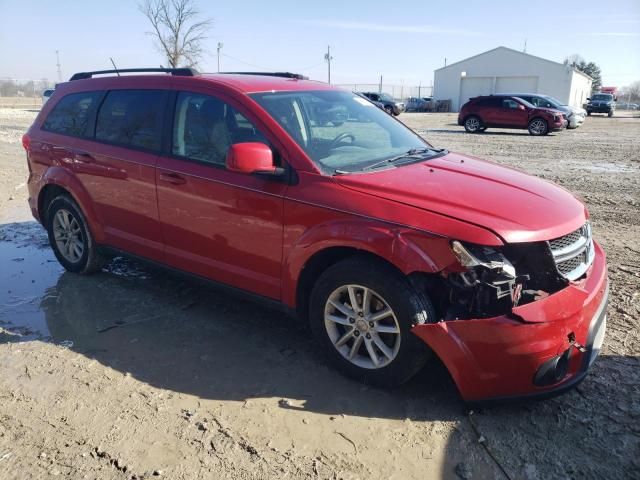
(473, 124)
(538, 126)
(388, 109)
(91, 260)
(409, 306)
(588, 114)
(610, 114)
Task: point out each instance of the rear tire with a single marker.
(70, 238)
(610, 114)
(473, 124)
(362, 342)
(538, 127)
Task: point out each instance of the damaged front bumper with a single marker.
(500, 358)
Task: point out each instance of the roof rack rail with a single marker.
(297, 76)
(181, 72)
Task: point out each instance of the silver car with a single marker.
(574, 115)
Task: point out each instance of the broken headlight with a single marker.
(490, 283)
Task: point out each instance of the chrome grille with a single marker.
(573, 253)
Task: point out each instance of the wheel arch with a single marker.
(469, 115)
(58, 181)
(407, 251)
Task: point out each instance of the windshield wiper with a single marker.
(414, 153)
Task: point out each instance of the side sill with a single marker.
(253, 297)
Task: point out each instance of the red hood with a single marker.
(552, 111)
(516, 206)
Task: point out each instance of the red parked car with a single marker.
(506, 111)
(310, 196)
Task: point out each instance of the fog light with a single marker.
(553, 370)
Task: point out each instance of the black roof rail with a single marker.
(181, 72)
(297, 76)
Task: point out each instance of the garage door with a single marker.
(516, 85)
(474, 86)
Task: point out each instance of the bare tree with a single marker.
(178, 31)
(632, 92)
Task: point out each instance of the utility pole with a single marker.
(525, 46)
(58, 65)
(328, 58)
(380, 87)
(220, 45)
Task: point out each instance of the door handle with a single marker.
(173, 178)
(83, 157)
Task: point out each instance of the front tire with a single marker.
(473, 124)
(388, 109)
(610, 114)
(70, 238)
(538, 127)
(362, 312)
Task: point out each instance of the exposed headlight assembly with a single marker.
(489, 267)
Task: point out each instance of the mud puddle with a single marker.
(28, 275)
(39, 300)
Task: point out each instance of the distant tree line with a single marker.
(10, 87)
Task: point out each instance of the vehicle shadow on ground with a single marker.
(482, 134)
(189, 337)
(185, 335)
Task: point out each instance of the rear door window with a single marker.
(73, 114)
(132, 118)
(510, 104)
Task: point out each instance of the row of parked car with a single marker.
(540, 114)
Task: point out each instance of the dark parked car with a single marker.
(380, 105)
(312, 198)
(388, 102)
(505, 111)
(601, 103)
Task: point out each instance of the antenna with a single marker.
(114, 66)
(525, 46)
(58, 65)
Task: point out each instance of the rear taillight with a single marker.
(26, 142)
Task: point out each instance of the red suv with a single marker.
(505, 111)
(312, 197)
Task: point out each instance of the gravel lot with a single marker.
(135, 373)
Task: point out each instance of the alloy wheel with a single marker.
(362, 326)
(473, 124)
(538, 127)
(68, 235)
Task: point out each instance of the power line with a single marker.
(249, 64)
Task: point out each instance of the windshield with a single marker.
(602, 97)
(386, 98)
(339, 130)
(555, 101)
(525, 103)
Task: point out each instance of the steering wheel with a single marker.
(336, 141)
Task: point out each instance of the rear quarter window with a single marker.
(73, 114)
(132, 118)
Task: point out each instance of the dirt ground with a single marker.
(136, 373)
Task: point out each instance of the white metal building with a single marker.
(503, 70)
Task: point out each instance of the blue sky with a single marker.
(402, 40)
